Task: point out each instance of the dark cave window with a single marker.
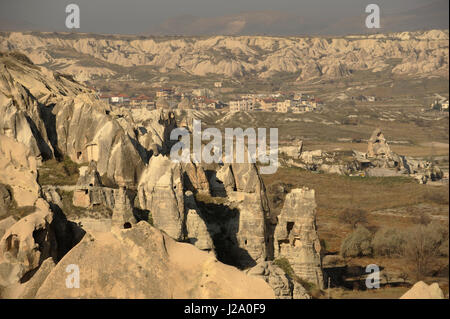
(126, 225)
(289, 227)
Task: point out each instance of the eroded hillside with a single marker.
(84, 55)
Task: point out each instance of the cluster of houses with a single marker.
(298, 103)
(202, 99)
(123, 99)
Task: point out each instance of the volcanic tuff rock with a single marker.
(143, 262)
(196, 228)
(378, 145)
(246, 195)
(18, 169)
(33, 239)
(296, 236)
(421, 53)
(55, 116)
(160, 190)
(89, 175)
(421, 290)
(221, 209)
(283, 286)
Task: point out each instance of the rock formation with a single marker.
(143, 262)
(18, 169)
(55, 116)
(378, 146)
(283, 286)
(32, 239)
(246, 196)
(122, 216)
(197, 231)
(219, 211)
(421, 53)
(160, 190)
(421, 290)
(89, 175)
(296, 236)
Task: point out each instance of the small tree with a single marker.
(353, 217)
(357, 243)
(424, 245)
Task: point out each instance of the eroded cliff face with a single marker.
(220, 211)
(296, 236)
(56, 117)
(420, 53)
(143, 262)
(160, 191)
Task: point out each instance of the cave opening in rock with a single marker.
(289, 226)
(127, 225)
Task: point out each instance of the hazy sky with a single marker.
(140, 16)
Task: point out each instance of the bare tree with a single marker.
(423, 247)
(353, 217)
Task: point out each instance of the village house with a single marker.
(141, 101)
(164, 92)
(241, 105)
(105, 98)
(205, 103)
(285, 106)
(120, 99)
(269, 104)
(218, 85)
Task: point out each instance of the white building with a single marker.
(241, 105)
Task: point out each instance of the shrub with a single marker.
(353, 217)
(357, 243)
(424, 244)
(388, 242)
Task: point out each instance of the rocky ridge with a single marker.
(220, 212)
(420, 53)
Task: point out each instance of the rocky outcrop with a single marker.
(421, 290)
(54, 116)
(143, 262)
(195, 178)
(197, 231)
(34, 238)
(420, 53)
(122, 216)
(378, 146)
(5, 224)
(160, 190)
(283, 286)
(378, 161)
(89, 175)
(246, 195)
(18, 169)
(296, 236)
